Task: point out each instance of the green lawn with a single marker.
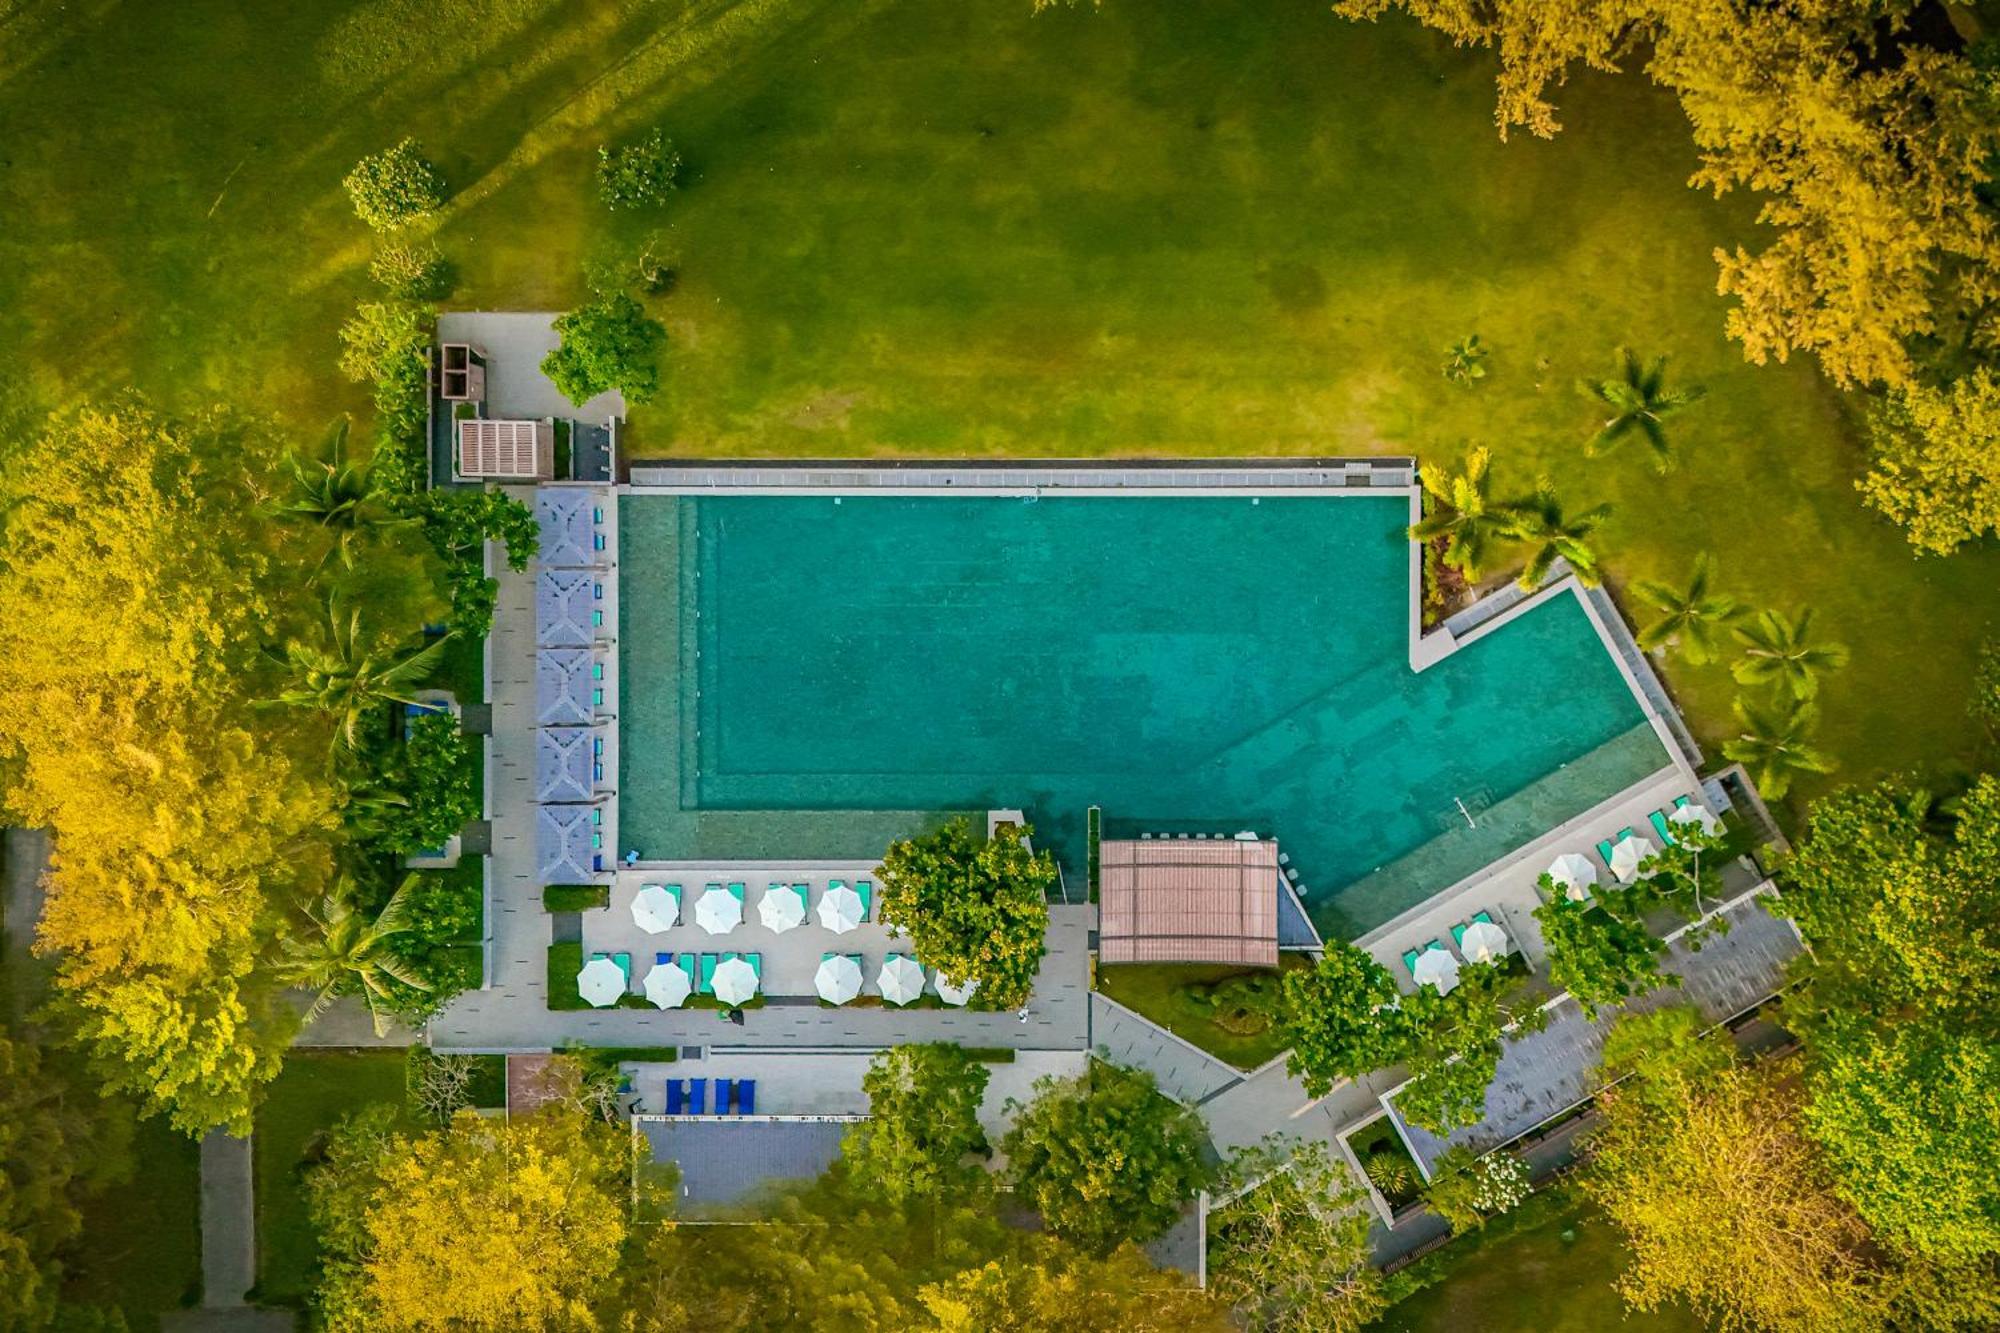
(1159, 991)
(948, 227)
(1546, 1268)
(141, 1245)
(315, 1090)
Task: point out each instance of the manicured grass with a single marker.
(565, 961)
(1159, 991)
(141, 1243)
(1547, 1267)
(316, 1089)
(575, 897)
(952, 227)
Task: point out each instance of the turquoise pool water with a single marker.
(1203, 664)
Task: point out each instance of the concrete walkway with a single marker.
(228, 1221)
(1184, 1071)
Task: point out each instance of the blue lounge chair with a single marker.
(697, 1096)
(746, 1096)
(722, 1090)
(676, 1096)
(663, 960)
(1663, 828)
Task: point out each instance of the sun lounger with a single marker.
(1663, 828)
(756, 961)
(1458, 931)
(676, 1096)
(746, 1096)
(697, 1096)
(866, 892)
(833, 884)
(1604, 848)
(663, 960)
(706, 983)
(686, 963)
(722, 1090)
(1683, 802)
(736, 892)
(710, 888)
(1410, 959)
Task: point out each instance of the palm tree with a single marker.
(1639, 400)
(337, 495)
(1776, 743)
(347, 678)
(1778, 652)
(1690, 616)
(1540, 521)
(1461, 512)
(347, 953)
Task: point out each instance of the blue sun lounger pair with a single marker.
(687, 1096)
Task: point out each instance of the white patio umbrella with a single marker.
(901, 979)
(953, 993)
(667, 986)
(735, 981)
(1696, 814)
(1483, 943)
(601, 982)
(781, 908)
(719, 911)
(838, 979)
(654, 909)
(840, 910)
(1629, 855)
(1438, 969)
(1575, 873)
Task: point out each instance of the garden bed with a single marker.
(1387, 1163)
(1206, 1004)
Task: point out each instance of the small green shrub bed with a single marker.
(575, 897)
(565, 961)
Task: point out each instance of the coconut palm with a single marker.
(1549, 532)
(1463, 514)
(1390, 1175)
(347, 677)
(1776, 743)
(345, 953)
(1689, 616)
(1639, 401)
(338, 495)
(1780, 653)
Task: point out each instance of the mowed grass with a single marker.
(1547, 1268)
(316, 1090)
(948, 227)
(1159, 991)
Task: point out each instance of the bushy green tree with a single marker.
(431, 772)
(1454, 1048)
(395, 186)
(922, 1130)
(1342, 1018)
(1598, 957)
(638, 175)
(974, 910)
(1460, 510)
(1466, 1190)
(459, 523)
(411, 272)
(1937, 461)
(1104, 1157)
(608, 344)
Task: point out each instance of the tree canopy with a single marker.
(974, 910)
(923, 1123)
(1341, 1018)
(610, 343)
(1289, 1249)
(1104, 1157)
(1937, 461)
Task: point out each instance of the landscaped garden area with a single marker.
(1225, 1010)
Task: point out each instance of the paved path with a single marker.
(1184, 1071)
(228, 1221)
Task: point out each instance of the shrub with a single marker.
(388, 342)
(638, 175)
(459, 523)
(1465, 360)
(433, 774)
(1986, 687)
(575, 897)
(394, 186)
(565, 961)
(412, 272)
(607, 344)
(438, 1086)
(1465, 1192)
(1391, 1175)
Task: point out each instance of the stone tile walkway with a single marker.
(1184, 1071)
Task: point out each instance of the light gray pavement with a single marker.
(1184, 1071)
(514, 344)
(511, 1013)
(228, 1221)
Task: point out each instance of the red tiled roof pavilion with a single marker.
(1188, 900)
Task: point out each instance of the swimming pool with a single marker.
(1187, 664)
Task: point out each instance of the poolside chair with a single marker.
(1663, 828)
(833, 884)
(805, 892)
(756, 961)
(697, 1096)
(746, 1096)
(705, 984)
(723, 1087)
(1410, 959)
(866, 892)
(663, 960)
(736, 892)
(676, 1096)
(1683, 802)
(1604, 848)
(710, 888)
(686, 962)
